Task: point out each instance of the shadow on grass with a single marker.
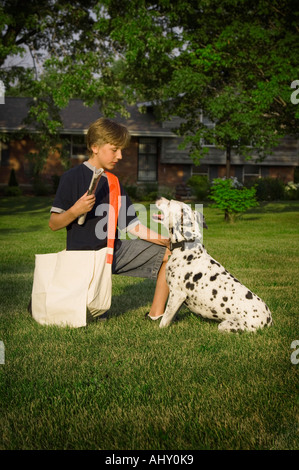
(15, 205)
(21, 230)
(131, 294)
(275, 207)
(139, 294)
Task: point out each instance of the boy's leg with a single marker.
(143, 259)
(161, 291)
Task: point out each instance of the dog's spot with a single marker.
(213, 278)
(196, 277)
(249, 295)
(190, 286)
(215, 262)
(190, 257)
(187, 276)
(214, 292)
(228, 310)
(225, 299)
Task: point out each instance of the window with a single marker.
(78, 147)
(75, 146)
(210, 171)
(252, 172)
(200, 170)
(238, 169)
(4, 154)
(147, 159)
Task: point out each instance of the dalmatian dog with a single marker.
(199, 281)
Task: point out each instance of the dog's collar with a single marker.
(181, 244)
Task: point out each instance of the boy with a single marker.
(143, 257)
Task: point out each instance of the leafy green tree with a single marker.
(71, 58)
(234, 61)
(232, 197)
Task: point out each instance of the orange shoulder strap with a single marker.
(114, 206)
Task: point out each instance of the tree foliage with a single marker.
(232, 197)
(234, 61)
(70, 58)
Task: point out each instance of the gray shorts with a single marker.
(137, 258)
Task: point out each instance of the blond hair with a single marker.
(105, 131)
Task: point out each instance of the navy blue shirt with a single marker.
(92, 235)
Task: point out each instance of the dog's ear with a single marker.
(200, 219)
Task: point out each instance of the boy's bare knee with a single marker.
(166, 256)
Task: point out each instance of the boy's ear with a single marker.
(95, 149)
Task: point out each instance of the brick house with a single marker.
(152, 157)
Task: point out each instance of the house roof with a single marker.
(77, 117)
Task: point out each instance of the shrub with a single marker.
(292, 191)
(13, 182)
(232, 197)
(269, 189)
(132, 191)
(12, 191)
(147, 192)
(200, 186)
(39, 187)
(13, 188)
(55, 182)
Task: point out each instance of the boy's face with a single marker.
(106, 156)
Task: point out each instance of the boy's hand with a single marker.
(63, 219)
(83, 205)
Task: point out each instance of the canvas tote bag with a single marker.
(70, 288)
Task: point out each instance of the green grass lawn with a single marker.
(127, 384)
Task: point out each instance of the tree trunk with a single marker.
(228, 155)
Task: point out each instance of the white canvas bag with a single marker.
(72, 287)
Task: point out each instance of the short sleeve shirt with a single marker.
(92, 235)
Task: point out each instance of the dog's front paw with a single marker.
(164, 322)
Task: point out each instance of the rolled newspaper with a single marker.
(91, 190)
